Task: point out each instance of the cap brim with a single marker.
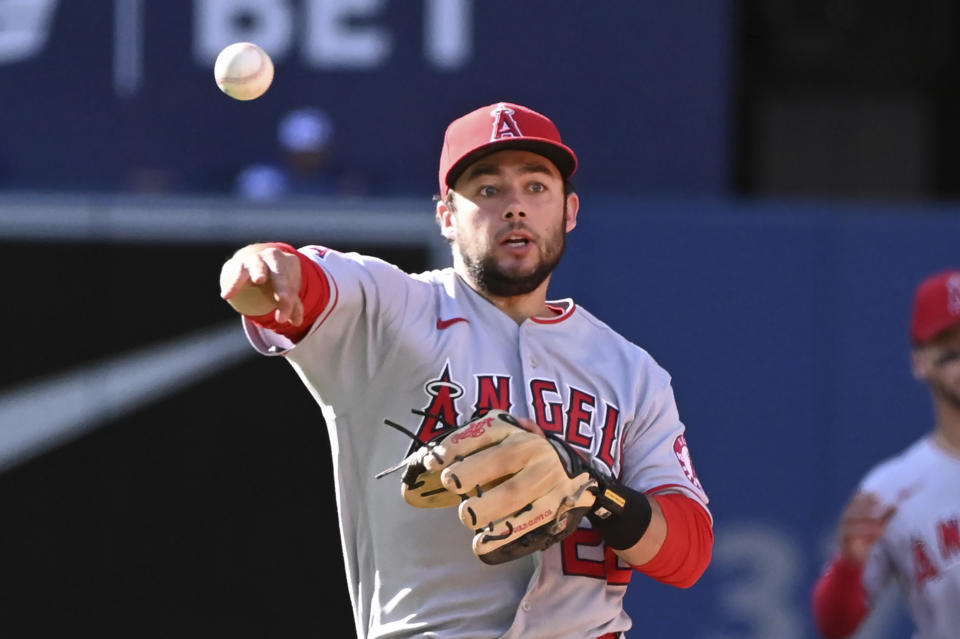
(561, 155)
(934, 330)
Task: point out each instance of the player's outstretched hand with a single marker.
(260, 278)
(862, 524)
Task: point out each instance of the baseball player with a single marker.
(485, 381)
(903, 522)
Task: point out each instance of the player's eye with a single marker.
(538, 187)
(487, 190)
(947, 356)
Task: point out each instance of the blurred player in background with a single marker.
(306, 166)
(372, 342)
(903, 522)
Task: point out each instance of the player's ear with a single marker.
(445, 219)
(573, 208)
(921, 362)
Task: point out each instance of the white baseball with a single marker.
(243, 71)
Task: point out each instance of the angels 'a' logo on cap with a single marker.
(504, 126)
(953, 294)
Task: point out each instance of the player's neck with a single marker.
(518, 307)
(947, 443)
(947, 431)
(522, 307)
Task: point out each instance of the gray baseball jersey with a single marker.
(389, 342)
(920, 547)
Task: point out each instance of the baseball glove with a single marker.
(519, 491)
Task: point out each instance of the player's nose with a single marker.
(514, 209)
(513, 200)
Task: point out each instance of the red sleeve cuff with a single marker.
(839, 599)
(314, 294)
(688, 548)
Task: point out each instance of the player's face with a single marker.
(509, 221)
(938, 364)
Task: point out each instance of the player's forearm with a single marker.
(839, 599)
(650, 543)
(682, 538)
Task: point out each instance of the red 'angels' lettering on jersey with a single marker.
(552, 422)
(610, 424)
(949, 536)
(442, 409)
(686, 462)
(580, 411)
(549, 415)
(578, 424)
(923, 568)
(575, 553)
(493, 393)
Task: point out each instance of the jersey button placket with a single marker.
(523, 357)
(528, 360)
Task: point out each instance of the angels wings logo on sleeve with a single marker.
(686, 462)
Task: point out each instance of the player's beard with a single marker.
(946, 393)
(497, 281)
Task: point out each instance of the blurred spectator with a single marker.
(306, 140)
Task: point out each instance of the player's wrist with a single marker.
(620, 514)
(849, 563)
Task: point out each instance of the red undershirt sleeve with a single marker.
(687, 550)
(839, 599)
(314, 294)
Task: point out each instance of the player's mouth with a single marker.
(517, 240)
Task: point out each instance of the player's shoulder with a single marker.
(442, 277)
(891, 473)
(601, 336)
(590, 322)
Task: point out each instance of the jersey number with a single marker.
(585, 555)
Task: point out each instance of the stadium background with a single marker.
(763, 185)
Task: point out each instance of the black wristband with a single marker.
(621, 515)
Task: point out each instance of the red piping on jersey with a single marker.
(839, 599)
(688, 548)
(314, 294)
(563, 313)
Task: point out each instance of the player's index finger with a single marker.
(259, 272)
(233, 277)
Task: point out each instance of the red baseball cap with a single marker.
(936, 306)
(497, 127)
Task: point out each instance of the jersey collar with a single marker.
(563, 308)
